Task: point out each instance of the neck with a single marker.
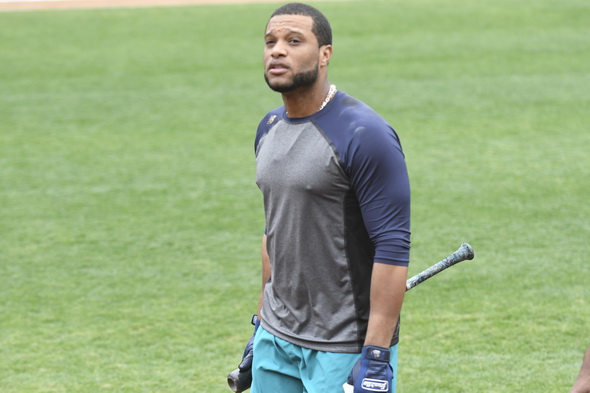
(305, 102)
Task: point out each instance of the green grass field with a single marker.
(130, 222)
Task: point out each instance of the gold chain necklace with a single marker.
(331, 94)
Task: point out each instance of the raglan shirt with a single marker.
(336, 200)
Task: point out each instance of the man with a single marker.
(336, 245)
(582, 384)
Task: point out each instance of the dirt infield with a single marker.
(67, 4)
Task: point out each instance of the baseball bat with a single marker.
(465, 252)
(239, 382)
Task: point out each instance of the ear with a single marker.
(325, 55)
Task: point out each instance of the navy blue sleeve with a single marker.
(379, 177)
(372, 157)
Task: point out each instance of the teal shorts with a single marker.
(280, 366)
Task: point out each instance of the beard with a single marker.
(301, 79)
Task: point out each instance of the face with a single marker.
(292, 57)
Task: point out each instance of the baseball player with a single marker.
(335, 250)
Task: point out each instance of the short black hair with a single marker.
(321, 27)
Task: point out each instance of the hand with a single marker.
(246, 363)
(372, 372)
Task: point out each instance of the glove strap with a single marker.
(376, 353)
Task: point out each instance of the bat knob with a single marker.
(239, 381)
(468, 250)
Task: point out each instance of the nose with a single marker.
(279, 49)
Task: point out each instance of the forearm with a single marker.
(388, 286)
(266, 272)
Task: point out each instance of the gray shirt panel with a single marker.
(305, 191)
